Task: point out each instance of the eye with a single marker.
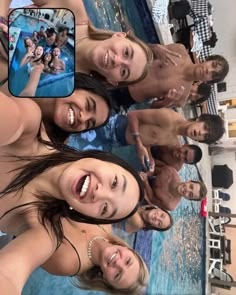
(115, 182)
(88, 124)
(123, 72)
(191, 195)
(117, 275)
(128, 261)
(126, 52)
(104, 209)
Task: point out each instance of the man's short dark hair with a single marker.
(202, 191)
(197, 153)
(214, 125)
(204, 89)
(219, 76)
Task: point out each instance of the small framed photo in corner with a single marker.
(41, 52)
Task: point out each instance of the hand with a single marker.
(173, 96)
(143, 156)
(165, 55)
(143, 175)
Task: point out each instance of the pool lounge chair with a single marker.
(223, 276)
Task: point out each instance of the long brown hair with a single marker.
(51, 209)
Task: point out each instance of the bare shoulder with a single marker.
(177, 47)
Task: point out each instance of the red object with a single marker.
(204, 207)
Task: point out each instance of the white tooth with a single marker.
(71, 116)
(112, 257)
(85, 186)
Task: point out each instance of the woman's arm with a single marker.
(33, 81)
(17, 117)
(25, 58)
(76, 6)
(21, 256)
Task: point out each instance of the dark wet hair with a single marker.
(202, 192)
(219, 76)
(62, 29)
(204, 89)
(89, 83)
(214, 125)
(149, 227)
(51, 209)
(197, 153)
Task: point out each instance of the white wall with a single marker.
(225, 28)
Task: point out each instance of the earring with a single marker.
(70, 208)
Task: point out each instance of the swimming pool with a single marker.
(49, 84)
(175, 258)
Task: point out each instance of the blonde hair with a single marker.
(98, 34)
(93, 278)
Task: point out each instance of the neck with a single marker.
(47, 106)
(182, 127)
(189, 72)
(95, 245)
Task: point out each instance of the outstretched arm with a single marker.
(33, 81)
(18, 117)
(76, 6)
(21, 256)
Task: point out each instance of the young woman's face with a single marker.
(80, 111)
(119, 59)
(29, 42)
(119, 265)
(157, 218)
(38, 51)
(48, 57)
(98, 189)
(56, 52)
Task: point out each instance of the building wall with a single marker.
(224, 12)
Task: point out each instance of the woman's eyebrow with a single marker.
(93, 102)
(124, 184)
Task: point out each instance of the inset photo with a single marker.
(41, 52)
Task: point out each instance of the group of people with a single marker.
(49, 54)
(60, 203)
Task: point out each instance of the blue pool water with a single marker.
(175, 258)
(49, 85)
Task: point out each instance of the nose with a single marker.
(117, 60)
(84, 116)
(100, 193)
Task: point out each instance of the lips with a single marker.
(112, 257)
(81, 187)
(106, 59)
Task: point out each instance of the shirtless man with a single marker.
(176, 156)
(151, 127)
(163, 127)
(166, 189)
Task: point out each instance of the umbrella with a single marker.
(222, 176)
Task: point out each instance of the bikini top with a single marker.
(29, 203)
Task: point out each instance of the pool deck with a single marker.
(165, 37)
